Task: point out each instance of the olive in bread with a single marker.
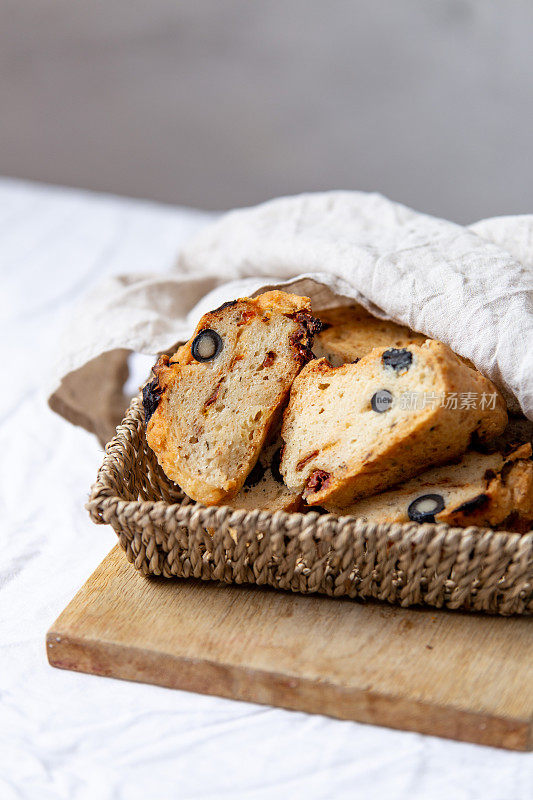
(485, 490)
(210, 407)
(354, 430)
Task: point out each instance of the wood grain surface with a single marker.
(462, 676)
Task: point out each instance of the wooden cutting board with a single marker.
(462, 676)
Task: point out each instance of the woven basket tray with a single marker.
(163, 532)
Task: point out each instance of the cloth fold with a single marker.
(470, 287)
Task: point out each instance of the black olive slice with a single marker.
(424, 508)
(381, 401)
(206, 346)
(398, 359)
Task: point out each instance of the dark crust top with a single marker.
(227, 304)
(302, 339)
(153, 391)
(476, 504)
(151, 397)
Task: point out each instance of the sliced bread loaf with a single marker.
(357, 429)
(490, 490)
(210, 407)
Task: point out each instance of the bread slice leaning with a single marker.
(355, 430)
(482, 489)
(210, 407)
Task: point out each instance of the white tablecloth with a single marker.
(67, 735)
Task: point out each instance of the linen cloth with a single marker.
(471, 288)
(68, 735)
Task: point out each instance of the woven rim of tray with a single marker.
(163, 532)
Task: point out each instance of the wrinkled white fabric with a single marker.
(469, 287)
(68, 736)
(513, 234)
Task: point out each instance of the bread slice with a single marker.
(486, 490)
(357, 429)
(350, 332)
(210, 407)
(264, 488)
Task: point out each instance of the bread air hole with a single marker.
(323, 386)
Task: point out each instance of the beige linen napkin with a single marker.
(471, 287)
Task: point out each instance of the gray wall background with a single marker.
(219, 103)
